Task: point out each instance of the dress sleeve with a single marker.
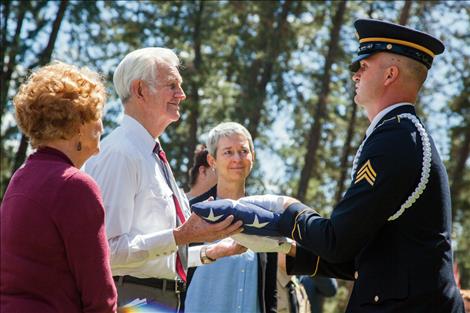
(80, 221)
(387, 173)
(308, 263)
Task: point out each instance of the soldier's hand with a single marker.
(264, 244)
(288, 201)
(195, 229)
(273, 203)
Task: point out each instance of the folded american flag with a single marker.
(256, 219)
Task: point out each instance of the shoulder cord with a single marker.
(426, 168)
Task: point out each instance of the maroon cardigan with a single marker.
(54, 253)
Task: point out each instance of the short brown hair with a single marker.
(56, 99)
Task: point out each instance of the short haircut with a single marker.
(417, 70)
(141, 64)
(200, 159)
(225, 130)
(56, 100)
(414, 71)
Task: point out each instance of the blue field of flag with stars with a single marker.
(256, 220)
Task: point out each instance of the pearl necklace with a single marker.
(426, 168)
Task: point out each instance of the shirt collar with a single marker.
(381, 114)
(139, 134)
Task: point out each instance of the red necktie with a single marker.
(179, 212)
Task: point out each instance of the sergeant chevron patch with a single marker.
(366, 172)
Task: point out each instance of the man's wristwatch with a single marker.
(204, 258)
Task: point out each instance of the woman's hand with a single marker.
(223, 248)
(264, 244)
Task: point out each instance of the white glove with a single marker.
(264, 244)
(271, 203)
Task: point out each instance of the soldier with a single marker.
(391, 232)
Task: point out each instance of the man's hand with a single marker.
(223, 248)
(273, 203)
(195, 229)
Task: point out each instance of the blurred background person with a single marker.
(291, 294)
(54, 253)
(466, 299)
(201, 176)
(317, 289)
(245, 282)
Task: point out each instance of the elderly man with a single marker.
(391, 232)
(148, 221)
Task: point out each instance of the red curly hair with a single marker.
(56, 99)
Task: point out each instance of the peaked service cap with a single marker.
(375, 36)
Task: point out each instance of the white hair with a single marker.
(141, 64)
(225, 130)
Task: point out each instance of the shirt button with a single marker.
(376, 299)
(241, 289)
(243, 271)
(356, 275)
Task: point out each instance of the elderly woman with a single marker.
(54, 253)
(242, 283)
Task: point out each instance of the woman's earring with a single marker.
(79, 146)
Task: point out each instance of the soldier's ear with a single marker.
(391, 75)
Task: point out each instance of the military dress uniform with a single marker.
(399, 265)
(391, 232)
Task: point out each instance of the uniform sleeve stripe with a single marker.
(316, 267)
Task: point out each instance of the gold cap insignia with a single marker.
(366, 172)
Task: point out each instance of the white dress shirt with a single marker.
(140, 212)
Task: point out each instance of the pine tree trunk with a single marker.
(320, 111)
(12, 53)
(405, 13)
(257, 89)
(5, 5)
(194, 106)
(43, 59)
(457, 173)
(344, 165)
